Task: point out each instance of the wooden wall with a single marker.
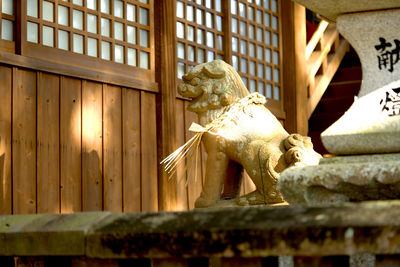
(69, 145)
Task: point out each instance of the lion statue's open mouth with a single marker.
(238, 132)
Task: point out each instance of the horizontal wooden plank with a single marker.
(77, 72)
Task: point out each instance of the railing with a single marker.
(324, 52)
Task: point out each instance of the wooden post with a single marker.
(294, 67)
(227, 27)
(166, 79)
(5, 140)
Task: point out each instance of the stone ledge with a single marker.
(370, 227)
(46, 234)
(342, 179)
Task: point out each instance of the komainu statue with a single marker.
(238, 132)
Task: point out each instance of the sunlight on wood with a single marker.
(92, 129)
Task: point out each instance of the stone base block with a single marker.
(342, 179)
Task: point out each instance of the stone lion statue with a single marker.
(240, 132)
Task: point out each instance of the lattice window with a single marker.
(7, 20)
(199, 32)
(255, 45)
(111, 30)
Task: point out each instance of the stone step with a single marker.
(343, 89)
(320, 122)
(335, 105)
(351, 59)
(353, 73)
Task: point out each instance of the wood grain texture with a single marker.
(166, 74)
(181, 189)
(5, 140)
(48, 153)
(24, 141)
(194, 164)
(92, 144)
(149, 152)
(112, 150)
(293, 71)
(70, 140)
(79, 72)
(227, 28)
(131, 150)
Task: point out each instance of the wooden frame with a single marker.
(166, 116)
(78, 72)
(53, 54)
(259, 43)
(197, 9)
(275, 103)
(294, 72)
(8, 45)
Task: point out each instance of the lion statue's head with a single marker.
(299, 151)
(211, 86)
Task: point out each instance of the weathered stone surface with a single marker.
(251, 232)
(363, 31)
(362, 260)
(351, 228)
(46, 234)
(364, 128)
(340, 179)
(332, 9)
(372, 123)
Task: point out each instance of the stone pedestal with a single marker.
(342, 179)
(370, 129)
(372, 124)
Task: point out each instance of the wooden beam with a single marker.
(5, 140)
(77, 72)
(315, 38)
(326, 78)
(166, 77)
(227, 27)
(24, 141)
(294, 67)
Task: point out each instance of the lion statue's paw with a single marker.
(253, 198)
(256, 198)
(202, 202)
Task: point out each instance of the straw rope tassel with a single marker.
(191, 147)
